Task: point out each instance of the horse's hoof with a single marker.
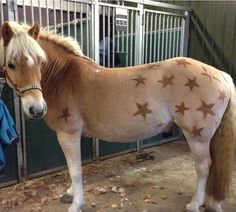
(192, 207)
(66, 199)
(74, 208)
(209, 209)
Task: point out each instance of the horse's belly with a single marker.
(125, 136)
(127, 130)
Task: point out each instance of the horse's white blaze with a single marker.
(36, 102)
(30, 60)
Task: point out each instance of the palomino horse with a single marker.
(126, 104)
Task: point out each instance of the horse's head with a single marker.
(22, 58)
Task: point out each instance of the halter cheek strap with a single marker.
(19, 91)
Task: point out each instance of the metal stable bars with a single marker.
(113, 33)
(162, 35)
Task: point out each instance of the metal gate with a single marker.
(113, 33)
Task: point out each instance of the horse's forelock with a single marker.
(22, 44)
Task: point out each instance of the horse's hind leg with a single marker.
(216, 206)
(201, 154)
(70, 144)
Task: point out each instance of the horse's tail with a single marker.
(222, 150)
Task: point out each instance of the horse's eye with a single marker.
(11, 66)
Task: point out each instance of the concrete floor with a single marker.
(164, 184)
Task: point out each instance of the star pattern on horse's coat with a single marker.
(206, 109)
(166, 81)
(222, 96)
(183, 62)
(206, 74)
(142, 110)
(155, 65)
(139, 80)
(196, 131)
(192, 83)
(181, 108)
(216, 79)
(65, 114)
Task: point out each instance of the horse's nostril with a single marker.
(36, 113)
(31, 110)
(39, 114)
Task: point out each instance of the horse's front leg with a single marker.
(70, 144)
(67, 198)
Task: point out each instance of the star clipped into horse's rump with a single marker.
(166, 81)
(139, 80)
(142, 110)
(206, 109)
(222, 96)
(192, 83)
(183, 62)
(181, 108)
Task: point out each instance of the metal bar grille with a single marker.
(24, 12)
(40, 13)
(1, 13)
(81, 27)
(54, 17)
(68, 17)
(155, 39)
(109, 35)
(62, 18)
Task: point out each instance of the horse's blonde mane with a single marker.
(23, 44)
(67, 43)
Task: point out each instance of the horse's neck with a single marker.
(61, 66)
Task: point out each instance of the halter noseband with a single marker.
(19, 91)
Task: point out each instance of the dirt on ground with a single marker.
(160, 179)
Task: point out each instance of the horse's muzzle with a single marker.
(37, 113)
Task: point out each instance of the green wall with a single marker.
(212, 37)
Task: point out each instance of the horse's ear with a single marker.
(34, 31)
(7, 33)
